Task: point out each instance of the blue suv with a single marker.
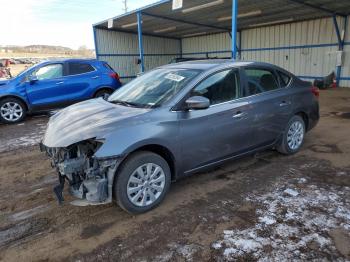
(55, 84)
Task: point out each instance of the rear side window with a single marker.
(219, 87)
(284, 78)
(260, 80)
(79, 68)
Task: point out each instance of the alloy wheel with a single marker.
(146, 184)
(11, 111)
(295, 135)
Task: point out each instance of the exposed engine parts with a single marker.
(89, 178)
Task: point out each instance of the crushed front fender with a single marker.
(90, 179)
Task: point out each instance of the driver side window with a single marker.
(219, 87)
(49, 72)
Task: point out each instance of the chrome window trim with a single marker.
(290, 76)
(205, 76)
(58, 63)
(238, 99)
(62, 63)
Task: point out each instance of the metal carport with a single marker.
(202, 19)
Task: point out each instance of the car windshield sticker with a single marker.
(174, 77)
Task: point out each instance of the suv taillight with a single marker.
(315, 91)
(115, 76)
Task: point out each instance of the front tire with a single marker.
(293, 136)
(12, 110)
(142, 183)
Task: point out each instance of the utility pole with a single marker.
(125, 3)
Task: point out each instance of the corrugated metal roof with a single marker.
(214, 19)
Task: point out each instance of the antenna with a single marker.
(125, 3)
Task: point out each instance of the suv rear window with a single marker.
(79, 68)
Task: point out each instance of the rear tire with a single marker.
(12, 110)
(293, 136)
(142, 182)
(104, 93)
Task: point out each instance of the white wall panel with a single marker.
(208, 43)
(285, 45)
(112, 42)
(303, 61)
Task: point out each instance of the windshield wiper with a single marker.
(124, 103)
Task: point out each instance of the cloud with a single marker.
(56, 22)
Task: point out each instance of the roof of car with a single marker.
(79, 60)
(212, 63)
(68, 60)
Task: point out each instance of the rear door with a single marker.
(271, 104)
(82, 80)
(220, 131)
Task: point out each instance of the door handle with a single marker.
(284, 103)
(95, 77)
(59, 83)
(239, 115)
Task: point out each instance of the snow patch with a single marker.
(292, 224)
(291, 192)
(267, 220)
(29, 139)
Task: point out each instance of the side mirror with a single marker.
(32, 79)
(197, 102)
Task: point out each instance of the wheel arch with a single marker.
(102, 88)
(19, 98)
(305, 117)
(160, 150)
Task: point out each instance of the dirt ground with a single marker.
(266, 207)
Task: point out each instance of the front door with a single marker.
(47, 89)
(220, 131)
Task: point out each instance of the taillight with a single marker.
(315, 91)
(115, 76)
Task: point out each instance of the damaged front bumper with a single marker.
(90, 179)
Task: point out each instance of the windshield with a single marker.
(26, 69)
(153, 88)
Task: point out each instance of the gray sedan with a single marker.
(173, 121)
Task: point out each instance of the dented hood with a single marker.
(94, 118)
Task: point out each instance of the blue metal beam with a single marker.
(139, 31)
(133, 32)
(95, 41)
(240, 45)
(317, 7)
(239, 40)
(234, 28)
(134, 11)
(341, 43)
(337, 31)
(185, 22)
(345, 30)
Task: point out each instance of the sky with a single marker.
(57, 22)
